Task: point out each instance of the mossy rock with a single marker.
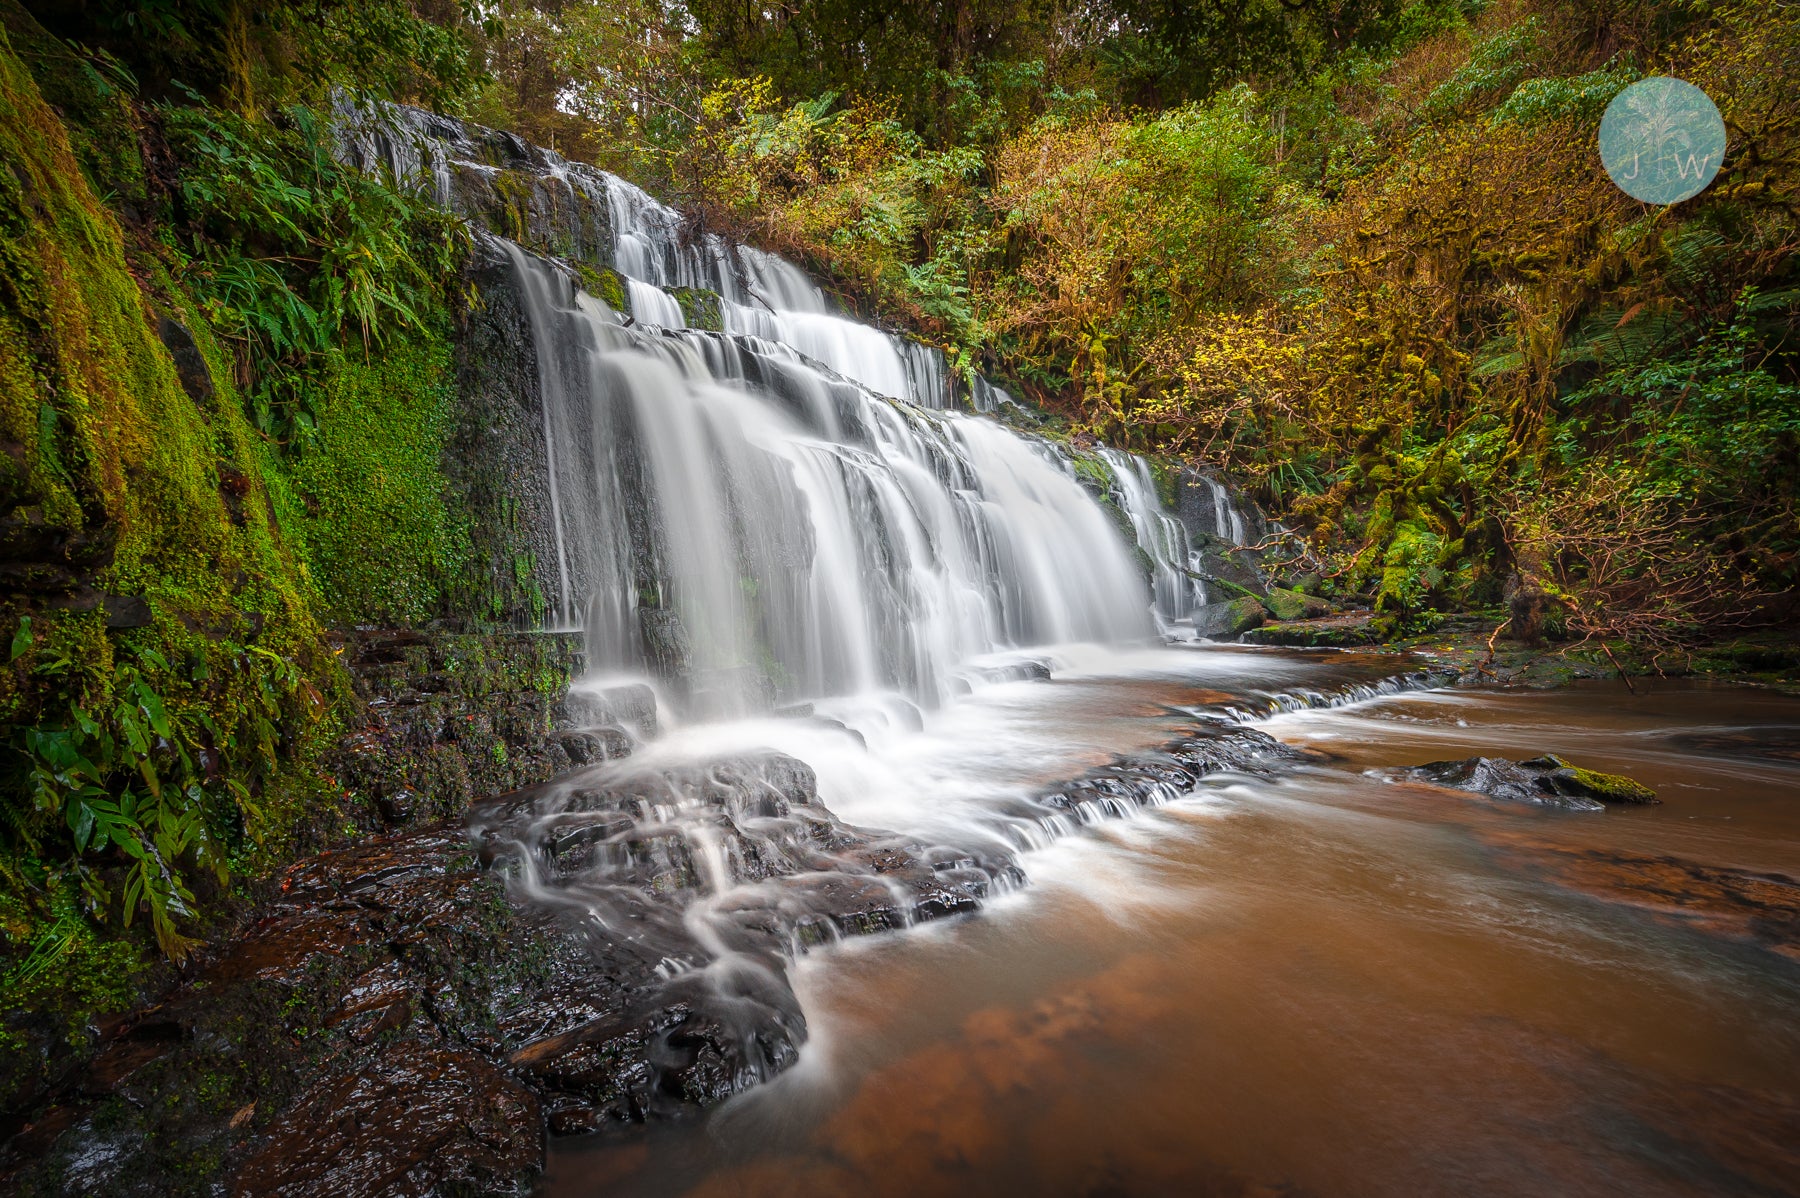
(1336, 632)
(605, 284)
(1235, 590)
(1225, 620)
(1567, 779)
(700, 308)
(1294, 605)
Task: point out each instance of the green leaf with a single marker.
(81, 822)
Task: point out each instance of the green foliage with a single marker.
(1493, 70)
(1410, 575)
(163, 787)
(1716, 429)
(136, 762)
(1578, 97)
(299, 257)
(1390, 288)
(255, 57)
(62, 961)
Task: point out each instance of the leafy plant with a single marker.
(136, 782)
(301, 258)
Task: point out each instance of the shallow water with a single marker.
(1329, 983)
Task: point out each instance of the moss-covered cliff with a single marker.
(239, 421)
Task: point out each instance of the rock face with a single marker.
(1220, 523)
(449, 717)
(1547, 780)
(495, 459)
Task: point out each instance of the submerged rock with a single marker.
(1548, 780)
(1762, 909)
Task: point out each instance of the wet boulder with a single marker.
(1221, 621)
(1548, 780)
(417, 1119)
(1284, 605)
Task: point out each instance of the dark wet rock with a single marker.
(418, 1119)
(588, 746)
(449, 717)
(1149, 779)
(394, 1024)
(1549, 781)
(1012, 671)
(410, 1015)
(495, 459)
(190, 363)
(1206, 505)
(630, 706)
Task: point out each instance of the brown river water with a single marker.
(1330, 983)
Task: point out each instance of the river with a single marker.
(1325, 981)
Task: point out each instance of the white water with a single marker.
(729, 515)
(1175, 576)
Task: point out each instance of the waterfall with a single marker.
(732, 515)
(790, 552)
(1228, 522)
(1175, 577)
(784, 506)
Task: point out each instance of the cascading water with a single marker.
(734, 517)
(1175, 577)
(1228, 521)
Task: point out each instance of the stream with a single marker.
(1322, 982)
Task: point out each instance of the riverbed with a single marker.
(1327, 981)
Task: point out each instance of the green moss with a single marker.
(1333, 634)
(1615, 788)
(1166, 475)
(1293, 605)
(605, 284)
(1567, 778)
(1093, 471)
(700, 308)
(379, 536)
(183, 745)
(1243, 615)
(92, 92)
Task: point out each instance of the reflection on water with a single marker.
(1327, 984)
